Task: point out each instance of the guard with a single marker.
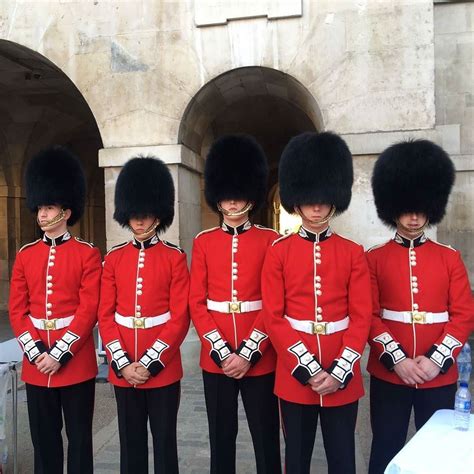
(422, 304)
(316, 300)
(225, 303)
(54, 295)
(143, 317)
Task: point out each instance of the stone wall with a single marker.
(454, 89)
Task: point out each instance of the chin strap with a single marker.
(148, 232)
(247, 208)
(324, 220)
(52, 222)
(413, 233)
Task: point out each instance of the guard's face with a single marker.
(315, 212)
(412, 221)
(46, 218)
(47, 213)
(140, 224)
(233, 205)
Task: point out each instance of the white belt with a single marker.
(319, 327)
(142, 323)
(415, 317)
(51, 324)
(234, 306)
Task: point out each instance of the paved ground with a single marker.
(192, 431)
(192, 434)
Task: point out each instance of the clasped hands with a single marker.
(417, 371)
(235, 366)
(135, 374)
(324, 383)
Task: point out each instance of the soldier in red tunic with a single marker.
(422, 304)
(143, 317)
(316, 300)
(225, 302)
(54, 295)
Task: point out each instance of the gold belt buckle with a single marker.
(49, 324)
(235, 306)
(319, 328)
(418, 317)
(138, 323)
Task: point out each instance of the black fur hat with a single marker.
(236, 168)
(55, 176)
(316, 168)
(144, 188)
(412, 176)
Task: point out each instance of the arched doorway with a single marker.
(40, 106)
(268, 104)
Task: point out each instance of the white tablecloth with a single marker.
(437, 448)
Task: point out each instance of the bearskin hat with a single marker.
(55, 176)
(412, 176)
(236, 168)
(316, 168)
(144, 188)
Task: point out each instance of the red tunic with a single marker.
(425, 276)
(145, 279)
(226, 266)
(320, 278)
(56, 278)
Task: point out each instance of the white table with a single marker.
(437, 448)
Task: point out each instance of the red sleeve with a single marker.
(256, 342)
(107, 326)
(381, 339)
(85, 316)
(165, 348)
(254, 345)
(461, 317)
(19, 310)
(206, 327)
(290, 348)
(360, 313)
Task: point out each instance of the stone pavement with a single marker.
(193, 440)
(193, 447)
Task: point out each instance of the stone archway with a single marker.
(266, 103)
(40, 106)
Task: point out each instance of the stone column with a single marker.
(186, 168)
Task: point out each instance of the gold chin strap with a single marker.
(414, 233)
(58, 218)
(247, 208)
(149, 232)
(324, 220)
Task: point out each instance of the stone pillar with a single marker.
(186, 168)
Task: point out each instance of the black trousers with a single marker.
(390, 410)
(261, 407)
(46, 407)
(299, 424)
(134, 408)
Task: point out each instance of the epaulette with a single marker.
(116, 247)
(206, 231)
(261, 227)
(82, 241)
(172, 246)
(378, 246)
(283, 237)
(443, 245)
(29, 245)
(350, 240)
